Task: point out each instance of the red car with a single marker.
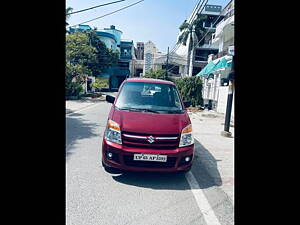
(148, 129)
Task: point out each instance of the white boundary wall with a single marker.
(222, 101)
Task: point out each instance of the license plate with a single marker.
(150, 157)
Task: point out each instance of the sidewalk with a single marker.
(75, 105)
(207, 127)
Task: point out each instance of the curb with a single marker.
(70, 111)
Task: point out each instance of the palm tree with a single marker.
(68, 10)
(191, 33)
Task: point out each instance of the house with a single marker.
(199, 58)
(215, 83)
(111, 37)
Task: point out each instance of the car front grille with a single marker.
(128, 160)
(160, 141)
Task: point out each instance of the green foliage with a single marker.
(187, 29)
(158, 74)
(100, 83)
(76, 72)
(105, 57)
(79, 50)
(68, 10)
(183, 37)
(86, 55)
(75, 77)
(184, 25)
(190, 89)
(73, 89)
(187, 34)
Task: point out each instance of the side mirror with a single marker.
(110, 99)
(186, 104)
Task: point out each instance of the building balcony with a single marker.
(224, 25)
(209, 46)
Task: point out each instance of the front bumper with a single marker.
(122, 158)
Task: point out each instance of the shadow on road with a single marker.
(204, 169)
(163, 181)
(76, 129)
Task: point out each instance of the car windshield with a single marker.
(149, 97)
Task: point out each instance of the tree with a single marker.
(86, 55)
(105, 57)
(191, 33)
(75, 77)
(79, 50)
(68, 10)
(79, 54)
(157, 74)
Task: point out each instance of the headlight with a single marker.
(113, 132)
(187, 137)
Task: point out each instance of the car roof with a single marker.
(149, 80)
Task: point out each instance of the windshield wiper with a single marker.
(128, 108)
(149, 110)
(173, 111)
(137, 109)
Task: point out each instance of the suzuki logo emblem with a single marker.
(150, 139)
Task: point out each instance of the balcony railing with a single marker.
(209, 45)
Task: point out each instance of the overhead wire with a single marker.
(108, 13)
(195, 45)
(97, 6)
(177, 45)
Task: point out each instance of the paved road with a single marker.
(96, 197)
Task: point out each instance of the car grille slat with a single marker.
(139, 140)
(147, 134)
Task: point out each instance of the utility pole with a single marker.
(226, 132)
(167, 66)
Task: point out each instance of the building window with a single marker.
(196, 70)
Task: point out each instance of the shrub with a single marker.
(190, 89)
(100, 83)
(73, 89)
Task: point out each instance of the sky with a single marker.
(155, 20)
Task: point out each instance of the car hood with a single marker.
(150, 123)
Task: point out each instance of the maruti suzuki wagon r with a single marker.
(148, 129)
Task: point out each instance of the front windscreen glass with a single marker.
(152, 97)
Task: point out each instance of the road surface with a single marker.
(96, 197)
